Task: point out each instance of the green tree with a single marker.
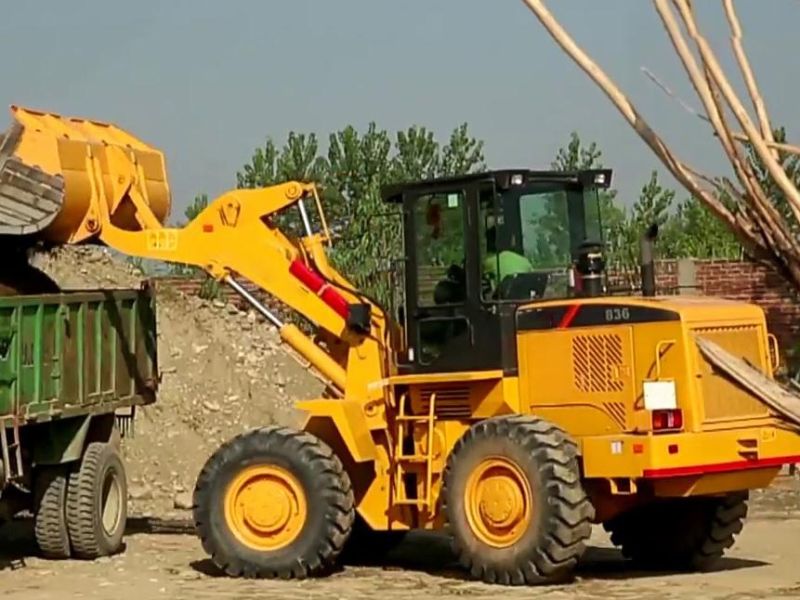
(652, 207)
(576, 156)
(366, 236)
(462, 154)
(367, 232)
(702, 235)
(298, 159)
(198, 205)
(791, 166)
(210, 288)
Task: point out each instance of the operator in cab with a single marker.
(497, 266)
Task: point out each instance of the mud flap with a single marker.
(60, 442)
(29, 198)
(777, 397)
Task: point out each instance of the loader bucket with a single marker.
(54, 171)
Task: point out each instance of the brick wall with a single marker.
(749, 282)
(738, 280)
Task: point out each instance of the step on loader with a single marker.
(511, 401)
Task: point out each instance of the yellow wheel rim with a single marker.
(265, 507)
(498, 502)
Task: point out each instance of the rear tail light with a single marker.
(667, 420)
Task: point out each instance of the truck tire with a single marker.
(681, 534)
(50, 519)
(97, 508)
(274, 503)
(514, 503)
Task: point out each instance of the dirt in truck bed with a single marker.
(224, 372)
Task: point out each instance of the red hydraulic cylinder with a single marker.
(320, 287)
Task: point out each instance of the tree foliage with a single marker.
(760, 203)
(576, 156)
(687, 229)
(367, 232)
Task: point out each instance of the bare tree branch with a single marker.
(623, 105)
(764, 211)
(752, 213)
(703, 85)
(709, 58)
(747, 73)
(737, 135)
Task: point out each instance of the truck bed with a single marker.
(76, 353)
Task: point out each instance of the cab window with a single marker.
(440, 248)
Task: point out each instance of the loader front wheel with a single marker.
(274, 503)
(680, 534)
(515, 507)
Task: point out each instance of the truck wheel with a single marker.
(97, 508)
(50, 519)
(514, 503)
(682, 534)
(274, 503)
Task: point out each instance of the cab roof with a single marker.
(502, 178)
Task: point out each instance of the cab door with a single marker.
(447, 328)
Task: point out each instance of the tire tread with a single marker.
(333, 485)
(50, 521)
(83, 520)
(694, 534)
(568, 526)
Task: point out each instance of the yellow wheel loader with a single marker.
(510, 401)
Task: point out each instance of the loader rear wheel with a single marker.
(681, 534)
(274, 503)
(50, 518)
(514, 503)
(97, 502)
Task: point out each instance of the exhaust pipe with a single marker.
(647, 264)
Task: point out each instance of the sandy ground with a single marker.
(163, 559)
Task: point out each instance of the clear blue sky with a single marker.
(208, 81)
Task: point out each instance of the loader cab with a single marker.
(476, 247)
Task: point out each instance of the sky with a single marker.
(207, 81)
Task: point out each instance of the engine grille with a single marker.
(722, 399)
(452, 401)
(595, 362)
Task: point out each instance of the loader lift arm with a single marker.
(235, 234)
(106, 185)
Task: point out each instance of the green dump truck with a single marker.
(73, 367)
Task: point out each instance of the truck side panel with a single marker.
(78, 353)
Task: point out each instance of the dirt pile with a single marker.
(223, 371)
